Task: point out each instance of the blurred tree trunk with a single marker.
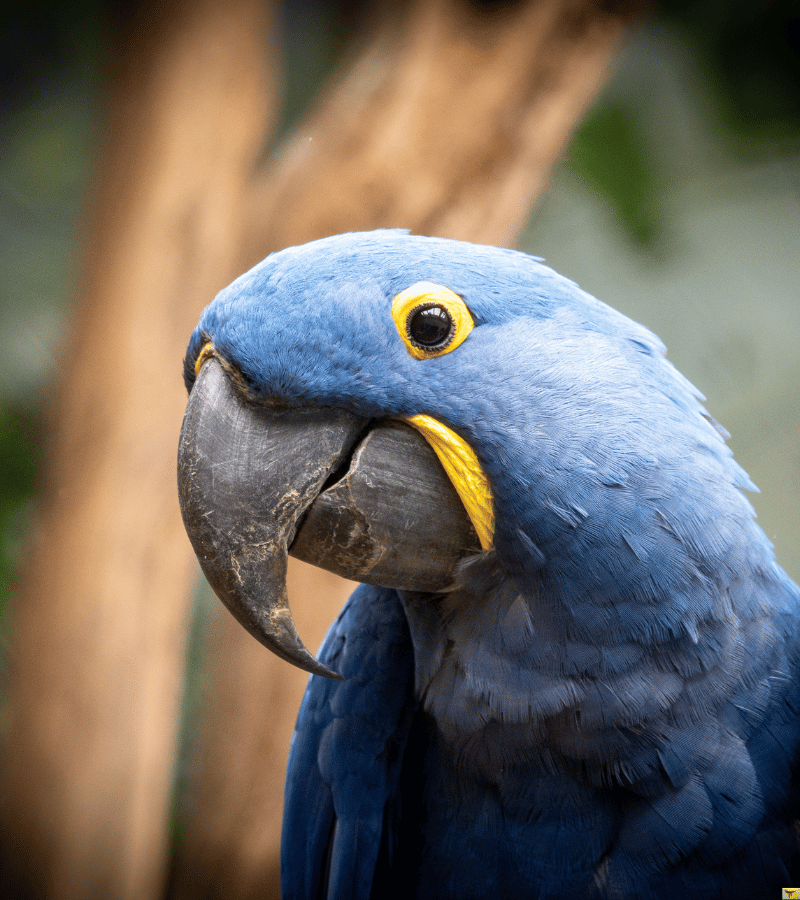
(446, 120)
(97, 655)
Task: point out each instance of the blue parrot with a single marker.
(572, 666)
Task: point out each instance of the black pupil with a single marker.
(430, 326)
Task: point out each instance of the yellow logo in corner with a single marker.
(790, 893)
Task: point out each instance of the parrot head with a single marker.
(397, 407)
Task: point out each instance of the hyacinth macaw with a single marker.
(572, 666)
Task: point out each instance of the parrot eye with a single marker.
(430, 327)
(431, 319)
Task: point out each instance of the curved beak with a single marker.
(366, 499)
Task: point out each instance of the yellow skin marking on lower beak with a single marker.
(465, 473)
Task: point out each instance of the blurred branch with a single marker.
(447, 120)
(100, 621)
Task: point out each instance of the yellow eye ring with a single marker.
(431, 319)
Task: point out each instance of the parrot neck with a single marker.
(514, 681)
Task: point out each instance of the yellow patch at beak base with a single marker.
(465, 473)
(206, 352)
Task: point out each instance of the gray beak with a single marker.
(366, 499)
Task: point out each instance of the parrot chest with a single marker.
(525, 833)
(534, 777)
(503, 814)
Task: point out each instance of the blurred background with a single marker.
(677, 201)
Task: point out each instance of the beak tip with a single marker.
(282, 638)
